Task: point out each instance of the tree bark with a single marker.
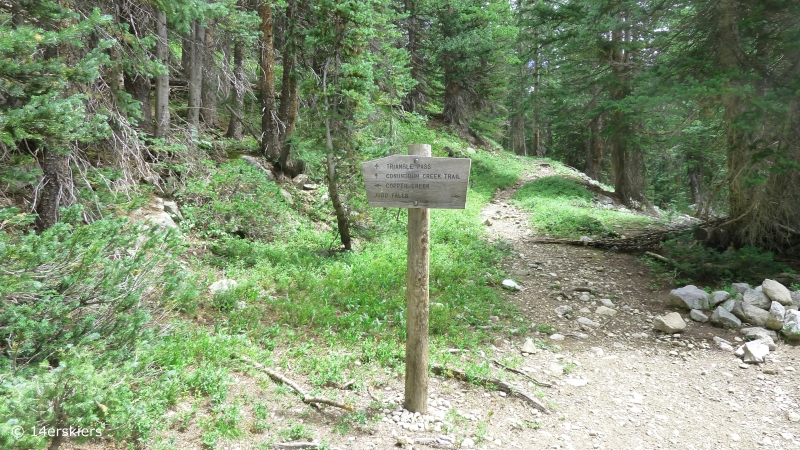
(56, 186)
(627, 166)
(289, 92)
(238, 88)
(195, 79)
(415, 95)
(536, 145)
(739, 195)
(138, 86)
(162, 79)
(270, 126)
(211, 81)
(594, 148)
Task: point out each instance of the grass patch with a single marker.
(564, 208)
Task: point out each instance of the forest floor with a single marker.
(621, 385)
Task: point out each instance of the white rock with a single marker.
(529, 346)
(557, 337)
(300, 180)
(777, 292)
(607, 302)
(670, 323)
(467, 443)
(794, 417)
(511, 285)
(588, 322)
(605, 311)
(577, 382)
(752, 314)
(776, 316)
(753, 352)
(221, 286)
(287, 196)
(791, 325)
(162, 220)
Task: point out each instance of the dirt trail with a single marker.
(631, 387)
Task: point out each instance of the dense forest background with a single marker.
(240, 127)
(682, 105)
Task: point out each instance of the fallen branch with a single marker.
(787, 229)
(276, 376)
(519, 372)
(498, 384)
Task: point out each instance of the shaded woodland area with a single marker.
(683, 105)
(241, 126)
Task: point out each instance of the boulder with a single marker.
(777, 292)
(162, 220)
(172, 209)
(728, 304)
(751, 314)
(300, 180)
(740, 288)
(670, 323)
(796, 299)
(723, 318)
(757, 299)
(698, 316)
(753, 333)
(689, 297)
(718, 297)
(775, 319)
(791, 325)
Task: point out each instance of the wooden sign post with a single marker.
(417, 181)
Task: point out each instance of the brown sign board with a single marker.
(409, 181)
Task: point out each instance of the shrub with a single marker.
(74, 284)
(236, 200)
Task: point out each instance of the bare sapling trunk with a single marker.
(162, 79)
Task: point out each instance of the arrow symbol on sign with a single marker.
(376, 166)
(376, 175)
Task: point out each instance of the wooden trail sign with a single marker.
(418, 182)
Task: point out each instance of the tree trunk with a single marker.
(195, 80)
(536, 146)
(518, 144)
(162, 79)
(211, 81)
(270, 127)
(415, 95)
(238, 88)
(289, 92)
(338, 207)
(594, 146)
(56, 186)
(626, 162)
(739, 195)
(138, 86)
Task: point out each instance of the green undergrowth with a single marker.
(564, 208)
(110, 327)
